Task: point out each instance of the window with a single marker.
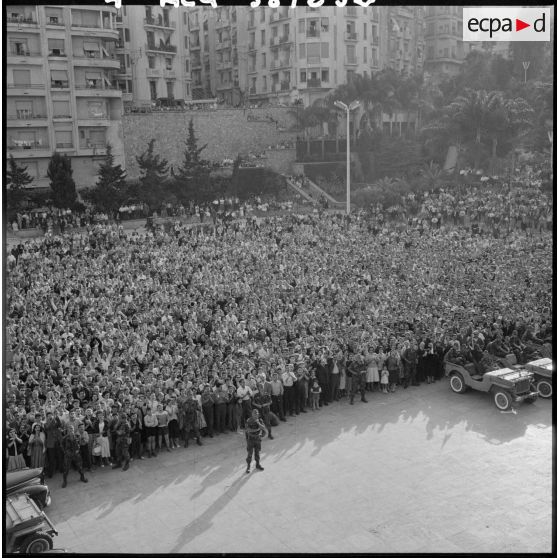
(303, 76)
(153, 90)
(63, 138)
(170, 89)
(263, 60)
(19, 47)
(60, 109)
(365, 55)
(286, 30)
(126, 34)
(263, 37)
(59, 78)
(274, 31)
(24, 109)
(302, 50)
(312, 29)
(262, 14)
(91, 50)
(325, 24)
(93, 80)
(351, 54)
(151, 62)
(301, 26)
(313, 53)
(186, 43)
(22, 77)
(168, 63)
(187, 66)
(325, 50)
(264, 84)
(325, 75)
(364, 31)
(96, 138)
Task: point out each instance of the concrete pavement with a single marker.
(421, 470)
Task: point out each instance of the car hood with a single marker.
(509, 374)
(545, 363)
(17, 478)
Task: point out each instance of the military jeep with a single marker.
(544, 372)
(506, 386)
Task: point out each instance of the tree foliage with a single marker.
(153, 172)
(110, 190)
(61, 181)
(17, 178)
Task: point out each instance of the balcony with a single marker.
(24, 89)
(312, 34)
(159, 23)
(169, 74)
(196, 63)
(57, 53)
(252, 46)
(273, 41)
(24, 145)
(119, 44)
(285, 39)
(26, 57)
(224, 65)
(64, 145)
(226, 43)
(195, 45)
(167, 49)
(351, 62)
(375, 40)
(97, 90)
(279, 14)
(28, 24)
(351, 36)
(285, 86)
(23, 117)
(223, 86)
(251, 24)
(314, 83)
(252, 91)
(60, 84)
(220, 23)
(351, 12)
(94, 30)
(193, 25)
(92, 148)
(153, 73)
(93, 59)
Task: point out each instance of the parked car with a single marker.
(31, 482)
(506, 386)
(27, 529)
(544, 371)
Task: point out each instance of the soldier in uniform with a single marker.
(357, 371)
(188, 418)
(262, 402)
(122, 443)
(72, 455)
(255, 430)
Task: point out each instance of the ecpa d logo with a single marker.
(506, 24)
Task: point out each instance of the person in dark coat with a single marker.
(72, 455)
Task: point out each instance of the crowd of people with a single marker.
(132, 344)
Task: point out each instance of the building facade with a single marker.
(243, 55)
(153, 52)
(60, 89)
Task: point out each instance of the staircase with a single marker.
(318, 193)
(301, 192)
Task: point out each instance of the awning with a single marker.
(90, 46)
(92, 75)
(59, 75)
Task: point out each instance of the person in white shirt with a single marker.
(289, 378)
(244, 394)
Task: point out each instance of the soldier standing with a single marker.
(357, 371)
(188, 418)
(255, 430)
(262, 402)
(122, 444)
(72, 455)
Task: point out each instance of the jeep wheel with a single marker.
(502, 400)
(544, 387)
(456, 383)
(37, 542)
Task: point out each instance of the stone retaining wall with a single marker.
(227, 133)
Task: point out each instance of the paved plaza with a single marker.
(421, 470)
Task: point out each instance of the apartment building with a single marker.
(60, 90)
(279, 54)
(153, 52)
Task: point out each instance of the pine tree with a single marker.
(153, 172)
(109, 192)
(17, 178)
(61, 182)
(192, 179)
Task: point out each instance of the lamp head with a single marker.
(341, 105)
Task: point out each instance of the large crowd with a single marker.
(173, 332)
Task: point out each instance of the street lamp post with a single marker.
(348, 109)
(526, 65)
